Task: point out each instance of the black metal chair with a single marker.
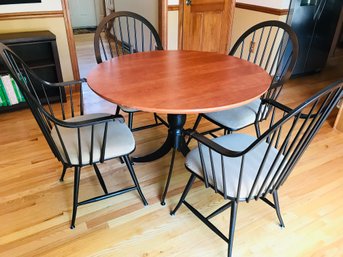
(122, 33)
(76, 139)
(272, 45)
(241, 167)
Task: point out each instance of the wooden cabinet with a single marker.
(38, 49)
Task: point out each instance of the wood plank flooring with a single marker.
(35, 208)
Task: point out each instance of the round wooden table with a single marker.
(178, 83)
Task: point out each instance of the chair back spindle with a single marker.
(273, 46)
(122, 33)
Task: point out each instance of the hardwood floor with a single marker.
(35, 208)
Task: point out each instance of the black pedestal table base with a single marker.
(174, 141)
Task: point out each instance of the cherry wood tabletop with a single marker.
(178, 82)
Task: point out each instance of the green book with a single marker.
(21, 94)
(14, 85)
(6, 81)
(18, 94)
(4, 96)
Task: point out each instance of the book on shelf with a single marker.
(17, 91)
(6, 80)
(3, 95)
(10, 93)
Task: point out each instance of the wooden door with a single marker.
(206, 25)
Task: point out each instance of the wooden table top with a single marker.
(178, 82)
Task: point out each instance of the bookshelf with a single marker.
(39, 51)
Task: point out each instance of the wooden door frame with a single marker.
(163, 22)
(180, 25)
(70, 39)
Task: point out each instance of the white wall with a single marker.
(278, 4)
(173, 2)
(45, 5)
(55, 24)
(99, 10)
(147, 8)
(173, 30)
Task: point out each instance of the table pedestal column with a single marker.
(174, 140)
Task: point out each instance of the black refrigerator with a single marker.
(314, 22)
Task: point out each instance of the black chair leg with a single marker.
(196, 124)
(277, 208)
(227, 131)
(156, 120)
(100, 178)
(117, 109)
(233, 217)
(257, 129)
(134, 178)
(117, 113)
(130, 120)
(63, 173)
(76, 195)
(184, 194)
(169, 178)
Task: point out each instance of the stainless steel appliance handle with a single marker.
(321, 11)
(317, 11)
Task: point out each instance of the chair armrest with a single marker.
(284, 108)
(67, 83)
(275, 84)
(212, 145)
(276, 104)
(85, 123)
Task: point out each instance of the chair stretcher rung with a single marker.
(102, 197)
(206, 222)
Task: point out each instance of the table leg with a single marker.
(175, 140)
(176, 123)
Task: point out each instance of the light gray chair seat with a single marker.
(236, 118)
(120, 140)
(128, 109)
(253, 160)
